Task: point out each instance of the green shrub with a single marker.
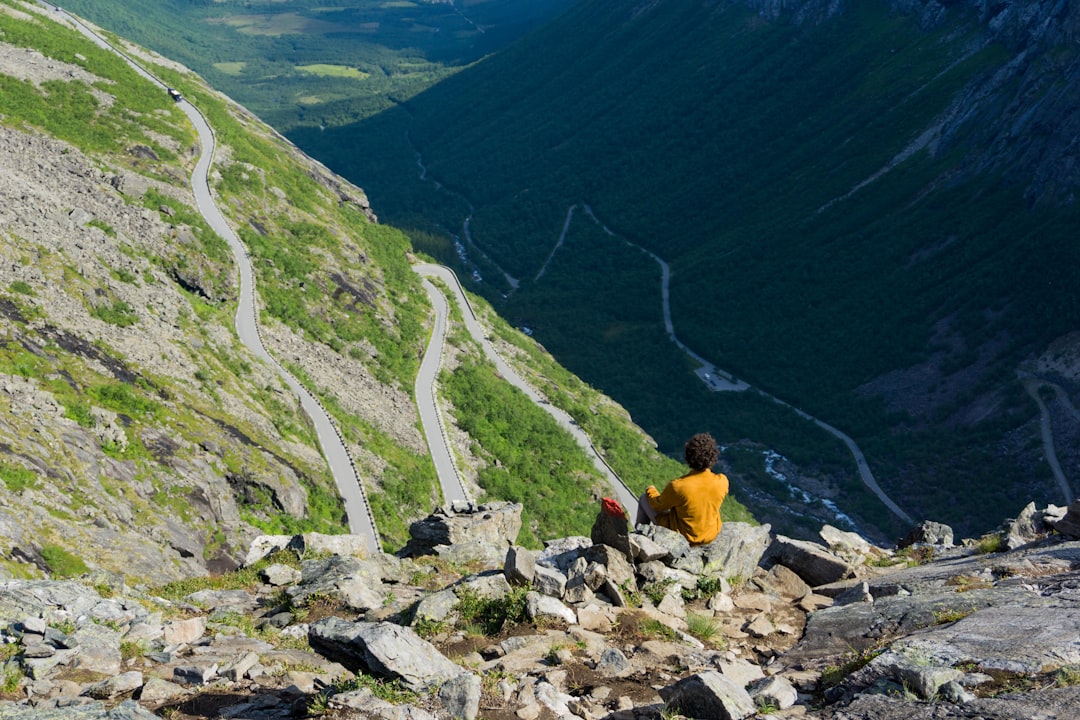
(17, 478)
(61, 563)
(119, 313)
(491, 614)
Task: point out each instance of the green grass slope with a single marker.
(132, 420)
(849, 208)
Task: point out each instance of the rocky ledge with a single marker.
(627, 624)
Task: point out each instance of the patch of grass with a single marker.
(990, 543)
(833, 675)
(913, 555)
(17, 478)
(657, 590)
(491, 614)
(119, 313)
(950, 615)
(1067, 676)
(964, 583)
(391, 691)
(61, 563)
(704, 628)
(427, 627)
(341, 71)
(654, 628)
(23, 288)
(239, 579)
(103, 227)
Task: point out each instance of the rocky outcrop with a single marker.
(618, 637)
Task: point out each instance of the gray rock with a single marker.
(127, 710)
(539, 606)
(618, 565)
(643, 549)
(356, 583)
(848, 545)
(613, 663)
(709, 695)
(954, 692)
(183, 631)
(372, 708)
(1025, 528)
(549, 581)
(737, 550)
(383, 649)
(437, 606)
(490, 585)
(810, 561)
(495, 525)
(461, 696)
(99, 649)
(1069, 526)
(265, 545)
(237, 669)
(158, 691)
(676, 545)
(784, 582)
(519, 567)
(239, 601)
(562, 552)
(929, 532)
(115, 686)
(278, 575)
(198, 673)
(613, 531)
(775, 691)
(345, 544)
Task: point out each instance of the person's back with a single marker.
(690, 505)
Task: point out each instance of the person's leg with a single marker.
(645, 514)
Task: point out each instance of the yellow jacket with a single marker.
(690, 505)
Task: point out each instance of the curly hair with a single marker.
(701, 452)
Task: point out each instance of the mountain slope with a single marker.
(139, 435)
(868, 210)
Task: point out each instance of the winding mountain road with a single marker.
(622, 493)
(1046, 429)
(361, 521)
(720, 380)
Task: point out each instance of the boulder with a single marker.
(618, 566)
(115, 686)
(1069, 525)
(709, 695)
(736, 551)
(354, 582)
(491, 527)
(675, 544)
(383, 649)
(611, 527)
(775, 691)
(549, 581)
(784, 582)
(178, 632)
(461, 696)
(372, 708)
(543, 606)
(1025, 528)
(929, 532)
(848, 545)
(519, 567)
(810, 561)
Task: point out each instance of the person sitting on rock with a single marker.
(690, 505)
